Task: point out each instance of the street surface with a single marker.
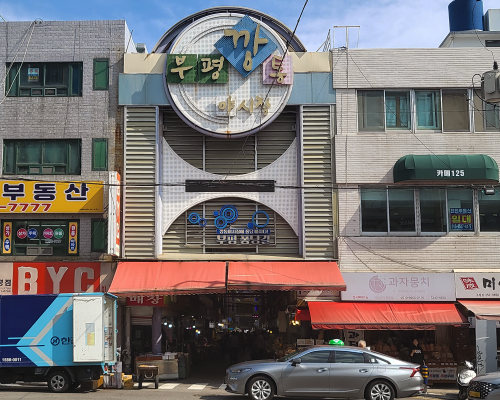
(170, 390)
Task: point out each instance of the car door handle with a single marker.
(363, 370)
(321, 369)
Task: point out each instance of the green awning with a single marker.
(460, 167)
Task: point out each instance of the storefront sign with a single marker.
(114, 214)
(398, 287)
(154, 300)
(353, 336)
(442, 374)
(475, 285)
(227, 75)
(73, 238)
(54, 277)
(7, 238)
(256, 232)
(51, 197)
(461, 219)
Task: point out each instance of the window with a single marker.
(433, 210)
(489, 212)
(486, 116)
(374, 210)
(440, 211)
(428, 105)
(455, 110)
(316, 357)
(42, 157)
(397, 110)
(101, 74)
(42, 237)
(371, 110)
(99, 240)
(349, 357)
(44, 79)
(99, 154)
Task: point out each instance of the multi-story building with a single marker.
(61, 139)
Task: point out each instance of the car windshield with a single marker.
(289, 356)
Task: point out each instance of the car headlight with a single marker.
(239, 370)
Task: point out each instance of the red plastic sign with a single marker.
(22, 233)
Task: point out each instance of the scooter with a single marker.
(464, 378)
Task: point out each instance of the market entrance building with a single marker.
(229, 205)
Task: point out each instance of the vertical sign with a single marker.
(73, 238)
(353, 336)
(7, 238)
(114, 214)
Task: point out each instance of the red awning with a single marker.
(350, 315)
(168, 278)
(302, 314)
(304, 275)
(483, 309)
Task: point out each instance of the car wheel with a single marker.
(379, 390)
(58, 382)
(261, 388)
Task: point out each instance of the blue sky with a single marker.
(384, 23)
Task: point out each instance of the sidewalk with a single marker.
(440, 391)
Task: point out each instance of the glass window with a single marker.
(461, 210)
(349, 357)
(374, 210)
(455, 110)
(99, 154)
(428, 105)
(397, 110)
(42, 237)
(42, 157)
(489, 212)
(101, 74)
(401, 210)
(486, 116)
(433, 210)
(99, 241)
(314, 357)
(371, 110)
(44, 79)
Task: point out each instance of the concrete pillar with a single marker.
(156, 339)
(126, 353)
(486, 346)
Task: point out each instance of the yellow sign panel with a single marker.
(51, 197)
(7, 238)
(73, 238)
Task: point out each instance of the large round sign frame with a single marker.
(240, 101)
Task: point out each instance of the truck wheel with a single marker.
(58, 382)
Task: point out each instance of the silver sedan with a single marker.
(326, 371)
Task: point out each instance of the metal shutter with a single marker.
(140, 181)
(319, 228)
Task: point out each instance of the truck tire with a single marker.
(58, 381)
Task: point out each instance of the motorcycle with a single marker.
(464, 378)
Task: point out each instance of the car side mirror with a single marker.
(296, 361)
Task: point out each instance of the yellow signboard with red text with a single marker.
(51, 197)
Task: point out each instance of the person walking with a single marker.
(416, 353)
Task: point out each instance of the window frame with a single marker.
(94, 74)
(105, 167)
(418, 214)
(94, 221)
(330, 357)
(361, 353)
(16, 144)
(43, 86)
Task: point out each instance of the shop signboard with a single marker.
(477, 285)
(228, 75)
(398, 287)
(51, 197)
(154, 300)
(353, 336)
(233, 231)
(114, 214)
(54, 277)
(443, 374)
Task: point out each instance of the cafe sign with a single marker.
(228, 75)
(398, 287)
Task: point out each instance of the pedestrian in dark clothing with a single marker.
(234, 345)
(416, 353)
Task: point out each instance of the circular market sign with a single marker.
(227, 75)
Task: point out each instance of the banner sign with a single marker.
(114, 214)
(54, 277)
(51, 197)
(398, 287)
(7, 238)
(461, 219)
(477, 285)
(443, 374)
